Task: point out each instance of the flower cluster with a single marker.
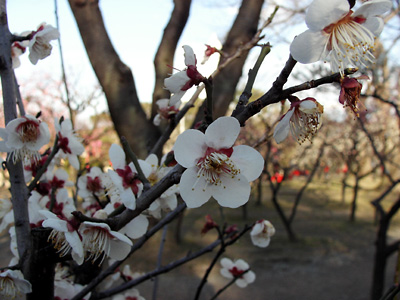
(38, 43)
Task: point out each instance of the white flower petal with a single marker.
(194, 191)
(242, 265)
(236, 191)
(56, 224)
(309, 46)
(145, 166)
(77, 248)
(176, 98)
(248, 160)
(74, 161)
(373, 8)
(189, 147)
(241, 283)
(176, 81)
(250, 277)
(307, 106)
(120, 248)
(117, 156)
(162, 103)
(136, 227)
(222, 133)
(283, 127)
(225, 272)
(190, 58)
(152, 160)
(322, 13)
(128, 198)
(227, 263)
(375, 25)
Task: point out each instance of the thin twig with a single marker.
(246, 94)
(64, 76)
(219, 292)
(159, 259)
(43, 169)
(135, 161)
(229, 240)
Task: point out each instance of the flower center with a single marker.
(97, 243)
(129, 179)
(305, 125)
(59, 242)
(28, 131)
(93, 184)
(63, 144)
(350, 42)
(215, 164)
(236, 272)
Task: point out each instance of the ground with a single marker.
(332, 259)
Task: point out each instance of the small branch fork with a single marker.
(228, 240)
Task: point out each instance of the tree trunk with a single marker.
(242, 31)
(288, 227)
(354, 202)
(115, 78)
(378, 279)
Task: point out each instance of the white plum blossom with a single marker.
(214, 167)
(238, 269)
(165, 111)
(90, 185)
(128, 186)
(302, 119)
(68, 142)
(66, 289)
(23, 137)
(261, 233)
(180, 82)
(17, 49)
(338, 34)
(64, 235)
(33, 166)
(39, 45)
(168, 200)
(100, 241)
(13, 284)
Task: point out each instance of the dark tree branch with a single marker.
(115, 78)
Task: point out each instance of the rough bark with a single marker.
(242, 31)
(165, 54)
(19, 192)
(115, 78)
